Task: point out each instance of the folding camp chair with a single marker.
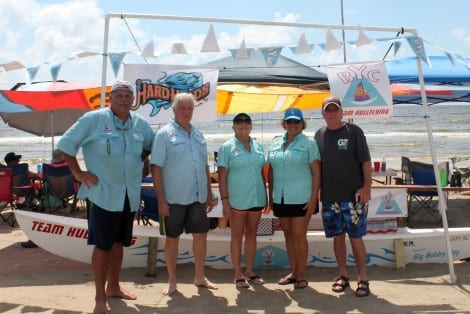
(6, 196)
(22, 186)
(422, 204)
(58, 189)
(148, 210)
(405, 172)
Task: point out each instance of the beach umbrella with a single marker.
(47, 108)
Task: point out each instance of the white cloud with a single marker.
(461, 34)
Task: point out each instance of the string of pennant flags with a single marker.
(270, 54)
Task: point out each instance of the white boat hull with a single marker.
(67, 237)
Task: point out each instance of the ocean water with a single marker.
(402, 134)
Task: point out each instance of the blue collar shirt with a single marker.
(245, 184)
(183, 159)
(112, 150)
(292, 175)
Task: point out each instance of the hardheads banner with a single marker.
(364, 89)
(156, 86)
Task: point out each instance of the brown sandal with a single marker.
(362, 288)
(341, 283)
(301, 284)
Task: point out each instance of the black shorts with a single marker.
(191, 218)
(106, 227)
(289, 210)
(252, 209)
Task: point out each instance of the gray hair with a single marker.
(183, 96)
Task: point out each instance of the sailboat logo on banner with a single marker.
(362, 92)
(389, 205)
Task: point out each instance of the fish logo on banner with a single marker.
(157, 85)
(364, 89)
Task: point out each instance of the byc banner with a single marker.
(156, 86)
(363, 88)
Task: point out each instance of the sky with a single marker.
(43, 32)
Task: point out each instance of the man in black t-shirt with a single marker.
(345, 190)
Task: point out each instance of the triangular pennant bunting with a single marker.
(210, 42)
(362, 39)
(416, 43)
(178, 48)
(82, 54)
(55, 69)
(331, 42)
(32, 71)
(303, 46)
(271, 55)
(396, 46)
(116, 61)
(450, 56)
(148, 51)
(13, 65)
(241, 52)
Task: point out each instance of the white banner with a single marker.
(363, 88)
(388, 203)
(156, 86)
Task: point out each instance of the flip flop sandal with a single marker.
(362, 289)
(256, 279)
(301, 284)
(286, 281)
(339, 286)
(241, 283)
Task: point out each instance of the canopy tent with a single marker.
(249, 85)
(441, 71)
(411, 93)
(253, 70)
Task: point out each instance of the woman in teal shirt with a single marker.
(243, 194)
(294, 182)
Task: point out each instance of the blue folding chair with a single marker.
(148, 210)
(59, 188)
(422, 204)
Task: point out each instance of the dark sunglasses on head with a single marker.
(292, 121)
(240, 121)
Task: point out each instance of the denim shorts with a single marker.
(340, 217)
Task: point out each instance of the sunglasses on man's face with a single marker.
(292, 121)
(331, 109)
(241, 121)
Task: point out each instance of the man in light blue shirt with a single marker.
(182, 183)
(114, 141)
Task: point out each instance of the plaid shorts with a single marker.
(340, 217)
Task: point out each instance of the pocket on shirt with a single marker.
(201, 146)
(178, 148)
(137, 144)
(110, 144)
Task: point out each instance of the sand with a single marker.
(35, 281)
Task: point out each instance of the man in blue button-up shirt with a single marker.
(114, 142)
(182, 183)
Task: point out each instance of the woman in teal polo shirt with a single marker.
(294, 182)
(243, 194)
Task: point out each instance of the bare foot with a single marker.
(171, 289)
(205, 283)
(100, 308)
(121, 294)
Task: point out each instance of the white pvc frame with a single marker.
(412, 31)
